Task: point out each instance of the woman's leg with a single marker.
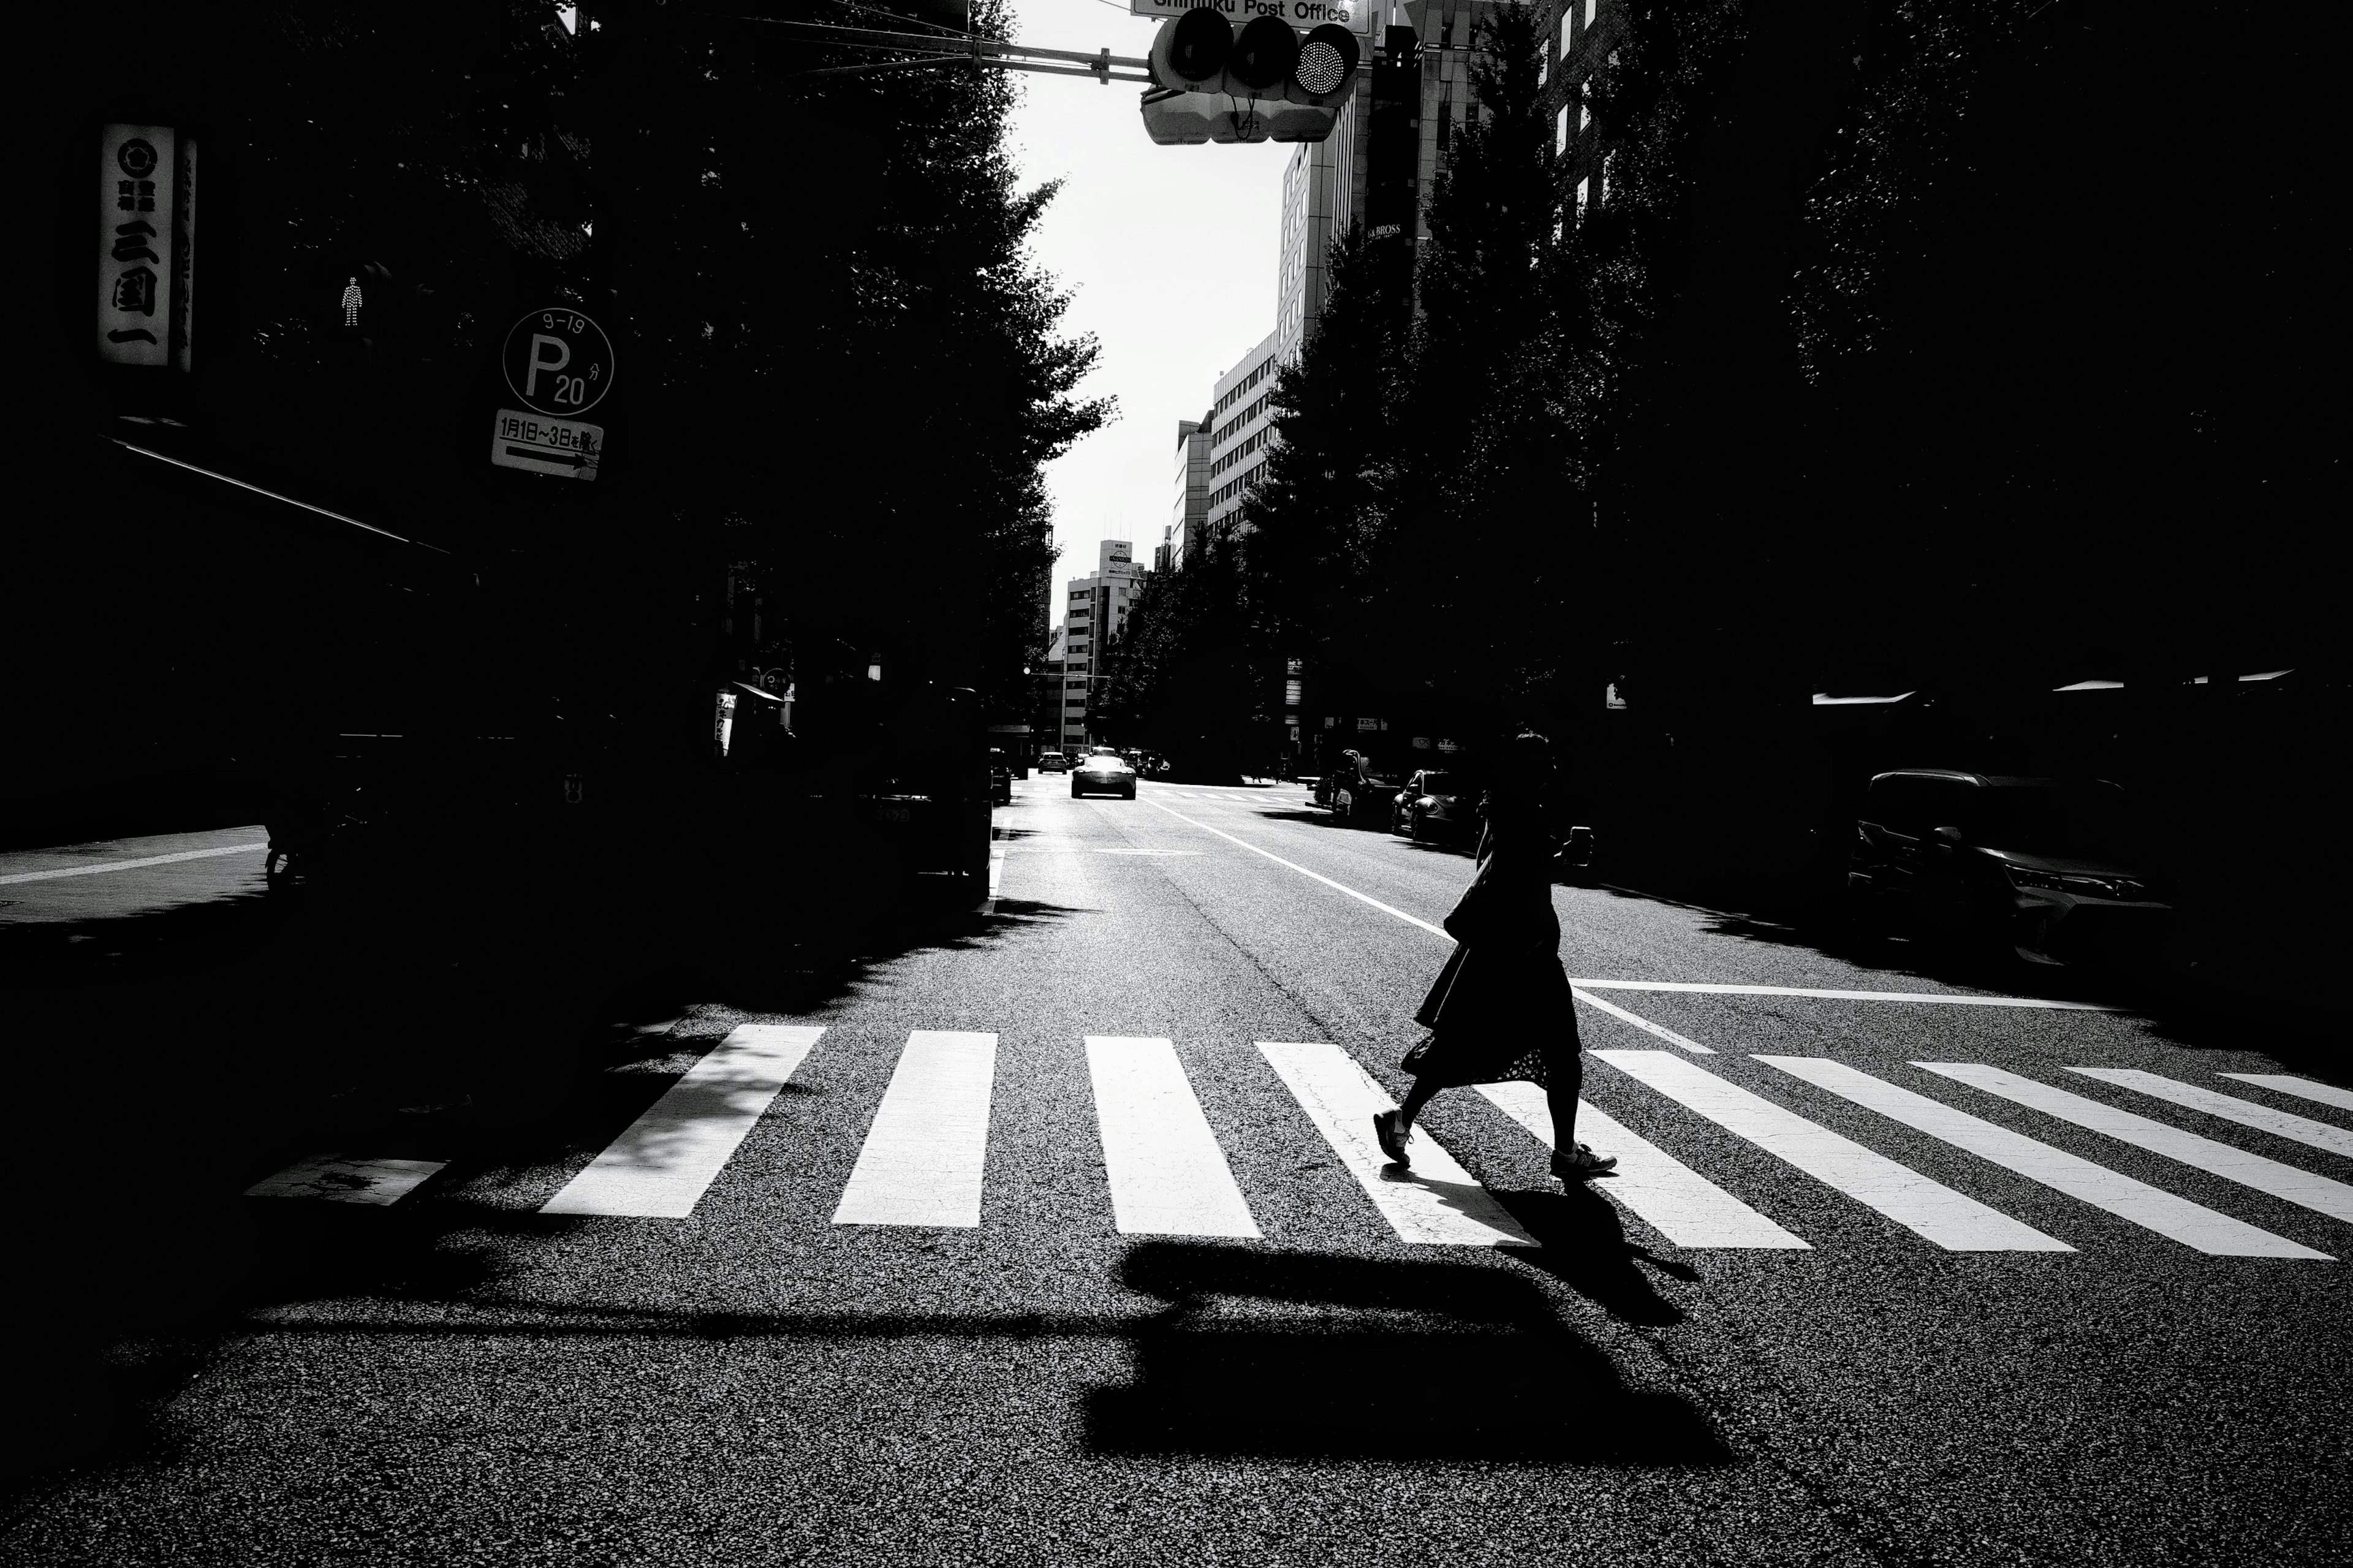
(1568, 1081)
(1415, 1098)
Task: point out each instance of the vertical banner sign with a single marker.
(184, 256)
(137, 234)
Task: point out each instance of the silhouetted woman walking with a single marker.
(1501, 1008)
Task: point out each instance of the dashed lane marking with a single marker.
(1437, 1201)
(1952, 1220)
(15, 877)
(660, 1164)
(2229, 1107)
(925, 1154)
(2177, 1218)
(1678, 1201)
(1167, 1175)
(2320, 1194)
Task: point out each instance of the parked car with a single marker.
(2051, 868)
(1436, 803)
(1053, 762)
(1103, 773)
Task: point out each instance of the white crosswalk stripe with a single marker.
(2304, 1088)
(927, 1149)
(2191, 1224)
(1436, 1201)
(2229, 1107)
(659, 1167)
(1950, 1220)
(1678, 1201)
(2307, 1089)
(2234, 1164)
(1167, 1175)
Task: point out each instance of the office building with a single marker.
(1240, 428)
(1095, 613)
(1582, 37)
(1183, 535)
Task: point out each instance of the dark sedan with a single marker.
(2050, 869)
(1103, 773)
(1436, 804)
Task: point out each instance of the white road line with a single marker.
(924, 1155)
(2245, 1112)
(339, 1180)
(1167, 1175)
(129, 865)
(658, 1167)
(2177, 1218)
(2302, 1087)
(1653, 985)
(1643, 1024)
(1950, 1220)
(1436, 1201)
(2320, 1194)
(1843, 995)
(1336, 887)
(1678, 1202)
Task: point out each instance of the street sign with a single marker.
(1356, 16)
(537, 445)
(557, 362)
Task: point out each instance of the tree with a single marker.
(1181, 679)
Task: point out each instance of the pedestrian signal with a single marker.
(1262, 83)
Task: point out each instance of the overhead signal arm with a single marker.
(926, 50)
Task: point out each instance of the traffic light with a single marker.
(1262, 83)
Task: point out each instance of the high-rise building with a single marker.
(1182, 537)
(1241, 428)
(1094, 612)
(1382, 160)
(1581, 37)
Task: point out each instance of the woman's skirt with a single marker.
(1496, 1014)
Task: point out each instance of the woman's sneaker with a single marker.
(1584, 1163)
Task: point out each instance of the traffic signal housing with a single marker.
(1260, 83)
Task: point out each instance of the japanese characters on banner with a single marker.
(146, 255)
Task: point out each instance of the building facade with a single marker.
(1240, 428)
(1582, 39)
(1095, 613)
(1190, 512)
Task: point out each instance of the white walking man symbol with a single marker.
(352, 303)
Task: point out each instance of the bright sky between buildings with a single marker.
(1171, 252)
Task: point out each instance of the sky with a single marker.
(1171, 253)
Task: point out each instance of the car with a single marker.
(1103, 773)
(1053, 762)
(2052, 871)
(1436, 803)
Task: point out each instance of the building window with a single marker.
(1590, 5)
(1580, 197)
(1560, 131)
(1567, 20)
(1584, 113)
(1601, 191)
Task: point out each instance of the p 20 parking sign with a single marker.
(557, 362)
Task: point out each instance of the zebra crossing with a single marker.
(924, 1158)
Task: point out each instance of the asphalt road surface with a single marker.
(1055, 1236)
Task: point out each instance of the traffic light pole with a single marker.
(939, 49)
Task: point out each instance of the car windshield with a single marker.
(2085, 821)
(1437, 783)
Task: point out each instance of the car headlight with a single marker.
(2124, 889)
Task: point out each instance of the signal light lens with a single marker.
(1199, 44)
(1319, 67)
(1264, 54)
(1327, 59)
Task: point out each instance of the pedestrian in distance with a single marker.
(1500, 1009)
